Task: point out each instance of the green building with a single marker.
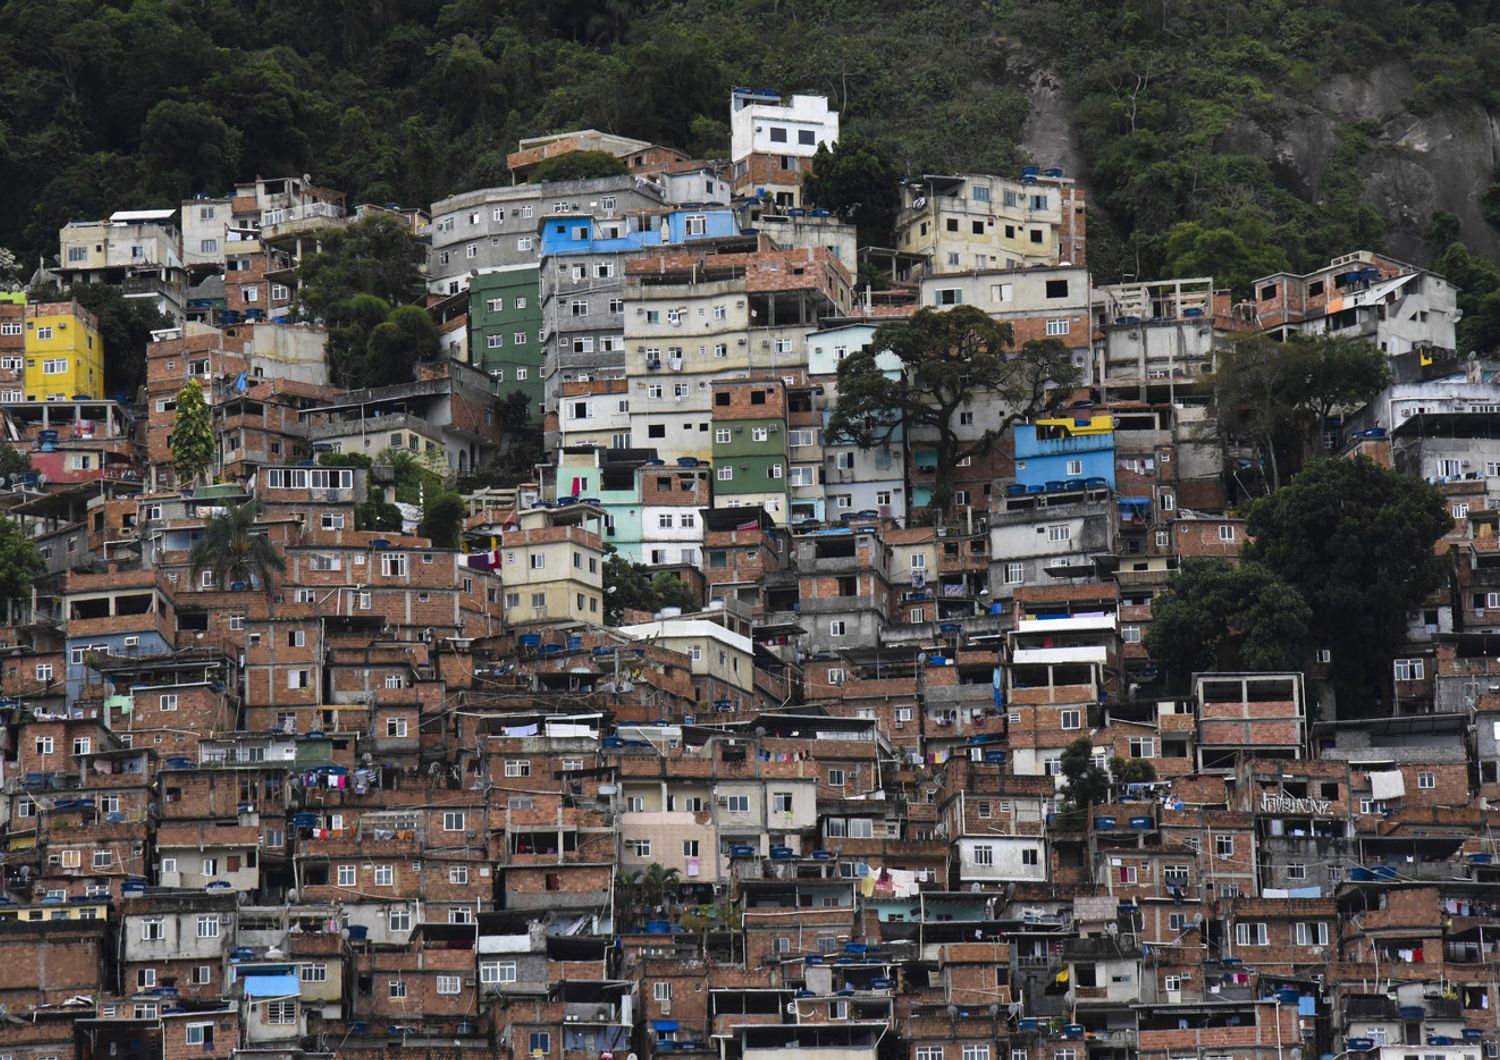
(750, 446)
(505, 330)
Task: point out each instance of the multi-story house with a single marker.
(552, 566)
(140, 250)
(1400, 308)
(505, 330)
(978, 221)
(64, 352)
(773, 140)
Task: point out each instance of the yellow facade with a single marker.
(64, 353)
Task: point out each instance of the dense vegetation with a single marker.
(142, 102)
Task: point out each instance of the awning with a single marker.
(272, 986)
(664, 1025)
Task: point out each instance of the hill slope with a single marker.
(1284, 130)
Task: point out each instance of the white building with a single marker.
(762, 122)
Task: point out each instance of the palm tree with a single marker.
(232, 550)
(641, 892)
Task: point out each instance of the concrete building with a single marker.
(64, 352)
(773, 140)
(505, 330)
(979, 221)
(1398, 307)
(140, 250)
(552, 566)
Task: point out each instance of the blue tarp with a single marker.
(664, 1025)
(272, 986)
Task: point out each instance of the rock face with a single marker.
(1416, 164)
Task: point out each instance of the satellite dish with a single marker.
(307, 178)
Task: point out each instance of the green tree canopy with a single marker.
(672, 591)
(1235, 255)
(192, 439)
(578, 165)
(14, 462)
(375, 256)
(1218, 615)
(858, 183)
(1087, 783)
(1278, 396)
(235, 551)
(1358, 543)
(443, 519)
(1478, 283)
(946, 360)
(20, 562)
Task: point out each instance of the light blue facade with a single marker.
(1043, 460)
(569, 234)
(621, 507)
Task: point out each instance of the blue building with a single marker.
(1063, 448)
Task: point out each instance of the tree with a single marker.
(1132, 770)
(375, 256)
(1478, 283)
(1280, 395)
(627, 587)
(20, 562)
(234, 552)
(915, 376)
(1216, 615)
(1357, 542)
(1235, 255)
(672, 591)
(14, 462)
(443, 518)
(192, 140)
(644, 892)
(192, 439)
(1088, 784)
(578, 165)
(855, 181)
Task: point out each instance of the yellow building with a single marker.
(64, 353)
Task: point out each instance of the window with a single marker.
(524, 243)
(1142, 746)
(539, 1042)
(1059, 532)
(347, 875)
(208, 926)
(1015, 573)
(1224, 846)
(1251, 934)
(82, 745)
(835, 778)
(55, 366)
(641, 848)
(1226, 534)
(453, 820)
(984, 854)
(948, 296)
(396, 988)
(492, 972)
(203, 974)
(738, 804)
(1312, 934)
(1059, 326)
(281, 1012)
(385, 876)
(449, 984)
(836, 628)
(1426, 781)
(724, 474)
(976, 1052)
(1409, 669)
(393, 564)
(1130, 634)
(44, 745)
(104, 859)
(781, 802)
(518, 767)
(152, 930)
(200, 1034)
(313, 973)
(1296, 871)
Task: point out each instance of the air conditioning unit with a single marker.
(132, 642)
(722, 800)
(666, 1007)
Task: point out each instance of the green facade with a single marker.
(751, 451)
(504, 306)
